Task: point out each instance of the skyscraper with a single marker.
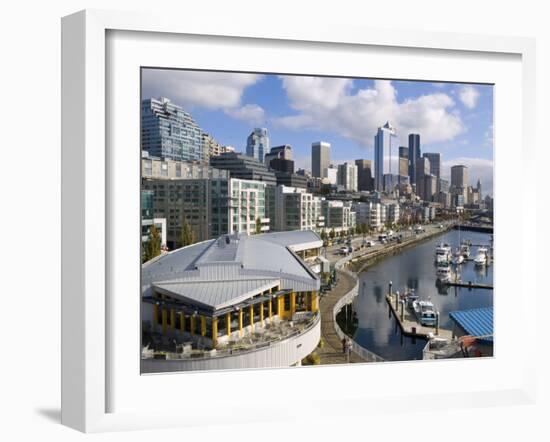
(459, 176)
(168, 132)
(422, 170)
(320, 158)
(257, 144)
(364, 175)
(403, 161)
(435, 163)
(386, 154)
(414, 154)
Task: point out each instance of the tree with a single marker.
(187, 234)
(332, 234)
(152, 247)
(323, 235)
(258, 225)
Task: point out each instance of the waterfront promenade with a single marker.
(331, 351)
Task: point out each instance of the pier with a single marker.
(468, 284)
(408, 323)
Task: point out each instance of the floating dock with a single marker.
(468, 284)
(409, 324)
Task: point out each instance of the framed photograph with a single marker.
(250, 215)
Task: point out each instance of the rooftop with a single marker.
(475, 322)
(219, 273)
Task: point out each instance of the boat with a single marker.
(425, 312)
(409, 296)
(442, 253)
(443, 271)
(465, 250)
(458, 258)
(481, 257)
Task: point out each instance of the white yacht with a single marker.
(442, 253)
(481, 257)
(425, 312)
(458, 258)
(465, 250)
(444, 271)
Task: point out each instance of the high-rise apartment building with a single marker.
(347, 176)
(414, 154)
(257, 144)
(338, 215)
(320, 158)
(365, 181)
(243, 167)
(210, 147)
(168, 132)
(152, 167)
(386, 155)
(297, 209)
(422, 171)
(211, 207)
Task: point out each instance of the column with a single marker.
(228, 323)
(214, 332)
(281, 306)
(251, 313)
(262, 312)
(292, 303)
(182, 322)
(314, 302)
(155, 317)
(270, 309)
(240, 322)
(203, 325)
(164, 320)
(172, 319)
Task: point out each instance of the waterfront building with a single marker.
(244, 167)
(226, 306)
(347, 176)
(296, 209)
(168, 132)
(148, 220)
(444, 198)
(386, 154)
(152, 167)
(320, 158)
(257, 144)
(392, 213)
(211, 207)
(338, 215)
(369, 213)
(365, 179)
(414, 155)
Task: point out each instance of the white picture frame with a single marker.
(86, 315)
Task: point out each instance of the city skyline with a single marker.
(452, 119)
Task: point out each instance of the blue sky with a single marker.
(452, 118)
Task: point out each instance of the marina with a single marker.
(380, 327)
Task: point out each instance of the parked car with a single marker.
(369, 243)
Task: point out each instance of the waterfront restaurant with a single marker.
(234, 302)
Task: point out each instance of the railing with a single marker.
(362, 352)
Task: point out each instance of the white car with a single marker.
(369, 243)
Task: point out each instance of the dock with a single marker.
(408, 323)
(469, 285)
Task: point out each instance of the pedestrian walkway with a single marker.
(331, 352)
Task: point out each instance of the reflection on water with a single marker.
(414, 268)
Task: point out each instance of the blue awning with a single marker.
(475, 322)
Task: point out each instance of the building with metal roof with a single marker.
(476, 322)
(218, 294)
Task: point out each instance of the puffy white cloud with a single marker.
(211, 90)
(331, 104)
(468, 95)
(251, 113)
(478, 168)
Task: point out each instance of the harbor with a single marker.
(395, 334)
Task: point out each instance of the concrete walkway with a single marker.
(331, 352)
